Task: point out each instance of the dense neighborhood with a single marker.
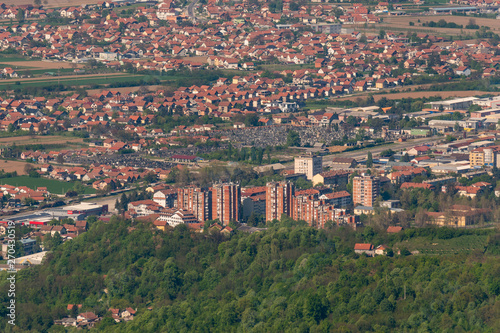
(265, 166)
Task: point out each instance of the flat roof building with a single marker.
(454, 104)
(308, 165)
(226, 199)
(279, 199)
(447, 10)
(365, 190)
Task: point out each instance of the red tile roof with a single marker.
(363, 246)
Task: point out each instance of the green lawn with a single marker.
(76, 81)
(462, 244)
(64, 71)
(319, 104)
(282, 67)
(9, 58)
(52, 185)
(17, 68)
(118, 10)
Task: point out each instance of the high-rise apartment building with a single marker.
(485, 156)
(197, 200)
(309, 165)
(279, 197)
(365, 189)
(226, 198)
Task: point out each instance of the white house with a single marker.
(463, 70)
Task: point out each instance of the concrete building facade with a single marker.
(196, 200)
(226, 198)
(365, 190)
(279, 198)
(309, 165)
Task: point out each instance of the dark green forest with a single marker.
(289, 278)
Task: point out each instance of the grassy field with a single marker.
(74, 80)
(37, 140)
(462, 244)
(124, 90)
(67, 71)
(10, 58)
(53, 186)
(319, 104)
(280, 67)
(118, 10)
(53, 3)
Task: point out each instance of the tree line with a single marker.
(289, 276)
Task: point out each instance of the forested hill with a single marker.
(285, 279)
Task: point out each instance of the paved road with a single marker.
(190, 9)
(359, 154)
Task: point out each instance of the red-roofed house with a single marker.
(364, 248)
(419, 150)
(394, 229)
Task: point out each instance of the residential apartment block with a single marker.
(197, 200)
(318, 212)
(485, 156)
(338, 199)
(333, 178)
(253, 200)
(365, 190)
(308, 165)
(226, 198)
(279, 199)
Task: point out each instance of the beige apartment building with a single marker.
(309, 165)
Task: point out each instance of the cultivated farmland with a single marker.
(37, 64)
(403, 22)
(419, 94)
(11, 166)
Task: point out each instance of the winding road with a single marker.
(190, 9)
